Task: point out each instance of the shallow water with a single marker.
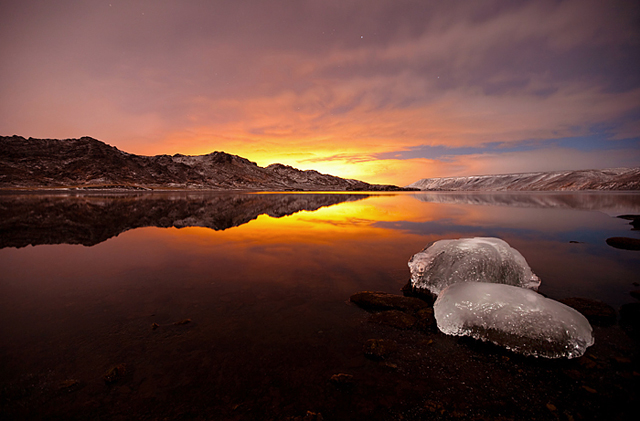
(84, 277)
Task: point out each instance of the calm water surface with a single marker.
(265, 280)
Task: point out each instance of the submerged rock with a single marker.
(480, 259)
(516, 318)
(624, 243)
(635, 220)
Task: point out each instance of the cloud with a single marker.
(336, 84)
(547, 159)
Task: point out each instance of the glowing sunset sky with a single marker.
(382, 91)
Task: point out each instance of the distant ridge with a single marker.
(608, 179)
(87, 163)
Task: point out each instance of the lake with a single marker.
(236, 306)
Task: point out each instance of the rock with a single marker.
(426, 320)
(424, 294)
(313, 416)
(69, 385)
(624, 243)
(342, 379)
(381, 301)
(182, 322)
(433, 406)
(635, 294)
(630, 318)
(597, 312)
(622, 361)
(379, 349)
(154, 326)
(573, 374)
(115, 374)
(309, 416)
(393, 318)
(635, 220)
(588, 361)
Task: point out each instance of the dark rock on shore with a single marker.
(341, 380)
(380, 301)
(426, 320)
(309, 416)
(624, 243)
(597, 312)
(635, 220)
(393, 318)
(69, 385)
(115, 374)
(379, 349)
(630, 319)
(422, 293)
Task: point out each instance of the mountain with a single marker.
(609, 179)
(87, 163)
(91, 218)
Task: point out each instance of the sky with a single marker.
(381, 91)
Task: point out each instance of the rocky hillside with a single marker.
(610, 179)
(88, 163)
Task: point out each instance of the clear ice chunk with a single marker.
(480, 259)
(519, 319)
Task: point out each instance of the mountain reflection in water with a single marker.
(270, 325)
(615, 202)
(92, 219)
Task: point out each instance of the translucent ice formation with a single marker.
(480, 259)
(516, 318)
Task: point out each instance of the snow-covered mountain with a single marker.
(609, 179)
(87, 163)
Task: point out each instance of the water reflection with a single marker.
(355, 241)
(92, 219)
(610, 202)
(266, 298)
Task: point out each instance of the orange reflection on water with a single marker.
(347, 220)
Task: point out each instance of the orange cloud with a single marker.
(454, 76)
